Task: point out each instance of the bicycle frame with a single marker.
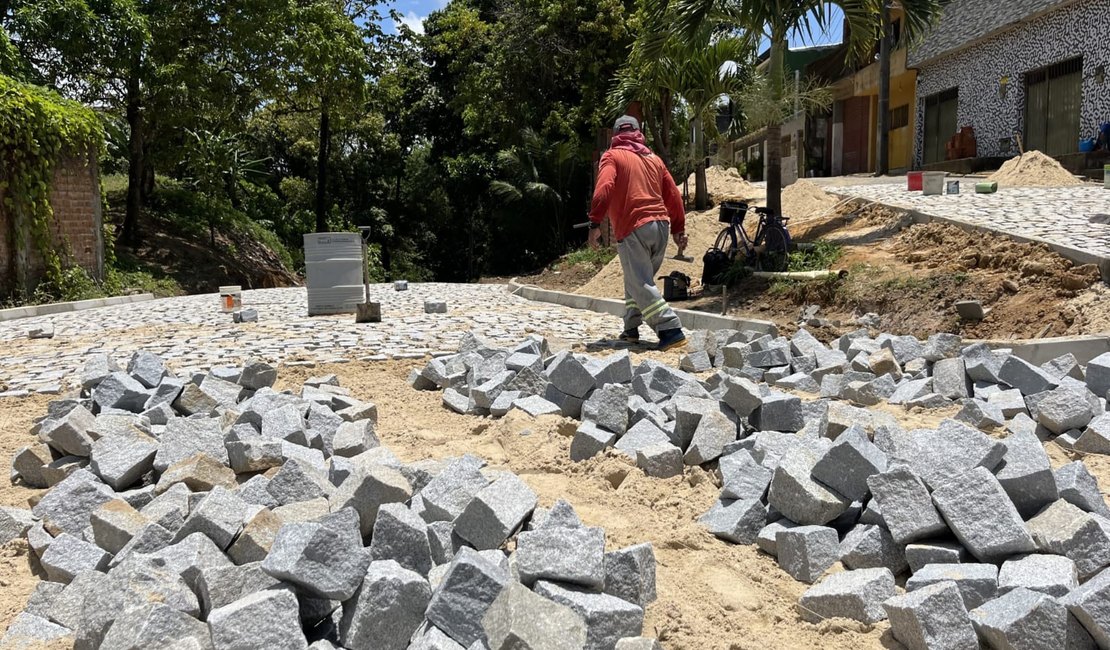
(737, 234)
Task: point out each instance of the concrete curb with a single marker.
(1038, 351)
(62, 307)
(1067, 252)
(690, 319)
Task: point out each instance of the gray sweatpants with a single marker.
(642, 254)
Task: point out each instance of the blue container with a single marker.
(1086, 145)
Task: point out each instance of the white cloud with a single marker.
(412, 21)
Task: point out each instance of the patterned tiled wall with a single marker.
(1079, 29)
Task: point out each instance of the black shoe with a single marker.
(671, 339)
(631, 336)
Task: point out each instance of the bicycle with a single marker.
(769, 250)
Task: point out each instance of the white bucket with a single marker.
(1106, 176)
(231, 299)
(932, 183)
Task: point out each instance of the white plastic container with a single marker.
(333, 266)
(231, 298)
(1106, 176)
(932, 183)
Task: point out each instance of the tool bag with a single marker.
(676, 286)
(715, 263)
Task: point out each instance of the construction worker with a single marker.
(635, 190)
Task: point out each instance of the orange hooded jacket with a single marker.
(634, 189)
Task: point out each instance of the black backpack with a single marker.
(715, 263)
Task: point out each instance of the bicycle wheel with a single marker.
(726, 241)
(776, 251)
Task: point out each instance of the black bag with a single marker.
(676, 286)
(715, 263)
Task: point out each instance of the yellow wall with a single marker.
(903, 91)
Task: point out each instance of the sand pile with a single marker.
(804, 199)
(1033, 169)
(726, 183)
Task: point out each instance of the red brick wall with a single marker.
(75, 199)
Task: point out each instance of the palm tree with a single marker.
(696, 71)
(536, 176)
(778, 19)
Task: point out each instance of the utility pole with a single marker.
(882, 166)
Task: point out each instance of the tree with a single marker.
(777, 20)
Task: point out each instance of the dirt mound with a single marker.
(804, 200)
(1033, 169)
(726, 183)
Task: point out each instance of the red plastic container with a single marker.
(914, 181)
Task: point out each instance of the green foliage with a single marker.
(592, 257)
(820, 257)
(39, 129)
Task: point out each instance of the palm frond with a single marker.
(505, 192)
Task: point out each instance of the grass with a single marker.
(597, 258)
(820, 257)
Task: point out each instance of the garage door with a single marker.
(1052, 106)
(857, 120)
(940, 123)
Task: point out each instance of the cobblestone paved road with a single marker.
(1078, 217)
(192, 334)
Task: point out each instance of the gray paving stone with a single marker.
(935, 552)
(402, 536)
(371, 487)
(386, 610)
(220, 586)
(496, 512)
(297, 481)
(97, 367)
(324, 557)
(590, 440)
(630, 574)
(257, 374)
(950, 379)
(742, 477)
(114, 524)
(68, 556)
(907, 507)
(1053, 575)
(982, 516)
(978, 583)
(264, 619)
(1064, 529)
(642, 434)
(798, 497)
(256, 539)
(70, 433)
(29, 631)
(568, 374)
(846, 465)
(742, 396)
(194, 401)
(931, 617)
(1027, 619)
(256, 455)
(120, 391)
(185, 437)
(120, 461)
(736, 521)
(608, 619)
(1077, 486)
(779, 412)
(714, 431)
(1026, 474)
(1098, 374)
(1096, 438)
(467, 591)
(219, 516)
(536, 406)
(572, 555)
(155, 625)
(28, 463)
(226, 393)
(353, 438)
(1063, 410)
(857, 595)
(519, 618)
(767, 540)
(806, 552)
(872, 547)
(449, 493)
(67, 507)
(980, 414)
(1029, 379)
(434, 639)
(660, 460)
(14, 523)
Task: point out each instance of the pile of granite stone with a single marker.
(1000, 546)
(216, 512)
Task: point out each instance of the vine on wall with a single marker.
(38, 128)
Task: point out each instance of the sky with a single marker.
(415, 11)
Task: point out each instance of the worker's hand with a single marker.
(595, 238)
(681, 240)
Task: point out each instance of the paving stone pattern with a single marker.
(1077, 217)
(191, 333)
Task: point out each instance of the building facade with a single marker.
(1030, 68)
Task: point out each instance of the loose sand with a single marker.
(1033, 169)
(805, 200)
(726, 183)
